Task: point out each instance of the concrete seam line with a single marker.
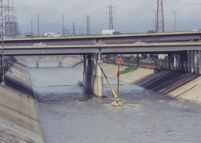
(19, 112)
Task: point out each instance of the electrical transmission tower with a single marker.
(160, 22)
(10, 26)
(111, 26)
(88, 25)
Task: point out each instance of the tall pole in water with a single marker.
(2, 44)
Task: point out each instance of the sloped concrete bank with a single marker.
(19, 121)
(181, 86)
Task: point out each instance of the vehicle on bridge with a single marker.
(51, 34)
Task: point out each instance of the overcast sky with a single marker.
(129, 15)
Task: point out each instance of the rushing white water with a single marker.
(145, 117)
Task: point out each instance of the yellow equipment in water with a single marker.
(117, 101)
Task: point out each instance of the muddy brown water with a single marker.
(67, 115)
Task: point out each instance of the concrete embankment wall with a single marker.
(19, 121)
(18, 77)
(177, 85)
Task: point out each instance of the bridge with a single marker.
(106, 39)
(183, 49)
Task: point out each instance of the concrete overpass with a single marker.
(127, 48)
(183, 49)
(107, 39)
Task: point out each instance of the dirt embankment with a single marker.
(19, 121)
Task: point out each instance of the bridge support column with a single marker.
(87, 73)
(93, 80)
(183, 57)
(177, 62)
(189, 61)
(194, 61)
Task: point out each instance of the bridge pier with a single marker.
(92, 76)
(175, 62)
(194, 62)
(189, 61)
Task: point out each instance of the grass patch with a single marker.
(129, 69)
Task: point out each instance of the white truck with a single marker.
(50, 34)
(109, 32)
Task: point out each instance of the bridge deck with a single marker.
(128, 48)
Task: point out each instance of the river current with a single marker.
(68, 115)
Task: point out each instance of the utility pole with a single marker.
(63, 27)
(88, 25)
(31, 28)
(38, 23)
(73, 28)
(160, 22)
(2, 44)
(111, 26)
(67, 31)
(175, 19)
(154, 21)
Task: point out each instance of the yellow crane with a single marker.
(117, 101)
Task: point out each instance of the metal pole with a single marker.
(118, 74)
(117, 101)
(31, 27)
(73, 28)
(38, 22)
(63, 27)
(175, 19)
(154, 23)
(88, 25)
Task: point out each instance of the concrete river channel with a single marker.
(67, 115)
